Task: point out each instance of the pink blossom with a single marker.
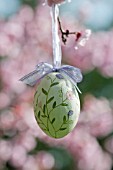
(108, 144)
(98, 116)
(93, 54)
(83, 38)
(45, 160)
(79, 143)
(70, 95)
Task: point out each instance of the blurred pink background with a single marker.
(25, 40)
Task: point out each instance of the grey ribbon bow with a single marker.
(42, 69)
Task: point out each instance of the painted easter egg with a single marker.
(56, 105)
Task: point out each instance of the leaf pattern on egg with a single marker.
(54, 106)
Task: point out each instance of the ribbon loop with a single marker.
(42, 69)
(45, 67)
(73, 72)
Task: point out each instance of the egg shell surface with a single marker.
(56, 105)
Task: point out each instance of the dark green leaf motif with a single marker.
(63, 128)
(64, 119)
(39, 114)
(44, 116)
(54, 84)
(50, 99)
(53, 120)
(44, 108)
(44, 91)
(54, 104)
(64, 104)
(44, 129)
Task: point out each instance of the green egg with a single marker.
(56, 105)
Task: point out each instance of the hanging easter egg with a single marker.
(56, 105)
(56, 101)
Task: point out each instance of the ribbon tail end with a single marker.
(78, 89)
(27, 82)
(30, 79)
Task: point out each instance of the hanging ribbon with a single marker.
(57, 56)
(43, 68)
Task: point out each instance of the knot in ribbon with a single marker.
(42, 69)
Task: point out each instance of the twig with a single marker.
(65, 34)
